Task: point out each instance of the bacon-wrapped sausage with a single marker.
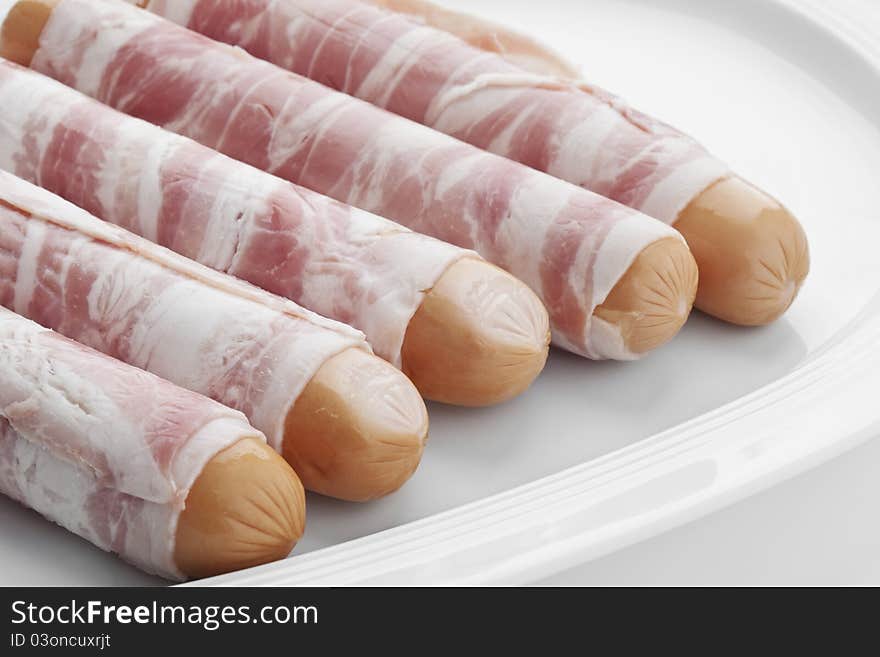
(574, 248)
(255, 352)
(490, 87)
(173, 482)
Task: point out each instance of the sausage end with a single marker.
(22, 27)
(480, 337)
(247, 507)
(358, 429)
(653, 299)
(752, 252)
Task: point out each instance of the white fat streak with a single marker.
(354, 47)
(512, 45)
(328, 32)
(22, 90)
(581, 281)
(581, 154)
(291, 124)
(26, 276)
(476, 61)
(219, 90)
(60, 491)
(534, 208)
(366, 226)
(137, 154)
(292, 29)
(139, 151)
(392, 142)
(503, 142)
(150, 187)
(177, 11)
(235, 206)
(458, 171)
(399, 58)
(202, 97)
(34, 371)
(459, 105)
(56, 210)
(110, 301)
(606, 341)
(73, 21)
(671, 194)
(184, 328)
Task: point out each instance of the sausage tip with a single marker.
(653, 299)
(246, 508)
(752, 252)
(358, 429)
(480, 337)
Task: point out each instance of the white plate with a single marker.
(597, 456)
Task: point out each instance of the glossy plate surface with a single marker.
(597, 456)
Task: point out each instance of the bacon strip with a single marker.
(518, 48)
(569, 245)
(569, 129)
(337, 260)
(106, 450)
(158, 311)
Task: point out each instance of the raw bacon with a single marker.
(571, 130)
(334, 259)
(569, 245)
(521, 49)
(158, 311)
(104, 449)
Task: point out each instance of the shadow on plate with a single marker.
(576, 411)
